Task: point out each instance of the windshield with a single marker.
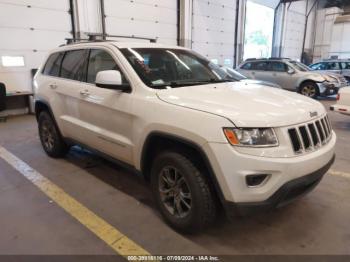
(234, 74)
(161, 67)
(300, 66)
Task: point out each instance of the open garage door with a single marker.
(213, 32)
(29, 29)
(143, 18)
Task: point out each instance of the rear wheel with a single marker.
(50, 137)
(309, 89)
(182, 193)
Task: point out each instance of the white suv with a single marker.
(203, 141)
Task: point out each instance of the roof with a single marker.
(86, 44)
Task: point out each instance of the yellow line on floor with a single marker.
(106, 232)
(338, 173)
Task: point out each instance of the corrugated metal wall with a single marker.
(30, 29)
(146, 18)
(213, 29)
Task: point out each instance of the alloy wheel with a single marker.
(174, 192)
(309, 91)
(47, 135)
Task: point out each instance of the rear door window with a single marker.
(74, 65)
(345, 65)
(333, 66)
(277, 67)
(53, 64)
(261, 66)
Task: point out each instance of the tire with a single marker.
(50, 137)
(192, 190)
(309, 89)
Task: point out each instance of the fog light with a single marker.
(256, 180)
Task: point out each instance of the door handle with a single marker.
(84, 93)
(53, 86)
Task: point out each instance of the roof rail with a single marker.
(250, 59)
(93, 37)
(152, 40)
(279, 58)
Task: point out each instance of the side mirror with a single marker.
(291, 71)
(111, 79)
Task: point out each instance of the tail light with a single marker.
(338, 97)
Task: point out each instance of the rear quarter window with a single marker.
(53, 64)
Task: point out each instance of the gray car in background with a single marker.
(338, 66)
(293, 75)
(239, 77)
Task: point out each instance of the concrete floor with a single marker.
(32, 224)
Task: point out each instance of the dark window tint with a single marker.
(278, 67)
(345, 65)
(100, 60)
(260, 66)
(53, 64)
(247, 66)
(74, 65)
(333, 66)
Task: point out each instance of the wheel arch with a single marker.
(307, 81)
(157, 142)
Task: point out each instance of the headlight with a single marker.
(251, 137)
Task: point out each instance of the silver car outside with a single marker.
(338, 66)
(294, 76)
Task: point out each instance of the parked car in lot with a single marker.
(343, 102)
(292, 75)
(338, 66)
(202, 140)
(239, 77)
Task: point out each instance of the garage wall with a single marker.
(294, 30)
(213, 29)
(29, 29)
(146, 18)
(332, 38)
(88, 17)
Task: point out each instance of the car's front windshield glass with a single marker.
(300, 66)
(162, 67)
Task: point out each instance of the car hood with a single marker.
(260, 82)
(246, 105)
(320, 74)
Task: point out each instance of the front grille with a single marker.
(310, 136)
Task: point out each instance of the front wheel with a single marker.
(182, 193)
(309, 89)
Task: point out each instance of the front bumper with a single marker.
(340, 109)
(326, 90)
(232, 167)
(284, 195)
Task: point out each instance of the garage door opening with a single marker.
(258, 30)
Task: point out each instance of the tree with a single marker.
(337, 3)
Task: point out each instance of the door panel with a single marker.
(105, 113)
(68, 87)
(106, 120)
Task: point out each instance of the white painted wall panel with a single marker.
(294, 30)
(89, 16)
(30, 29)
(145, 18)
(213, 29)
